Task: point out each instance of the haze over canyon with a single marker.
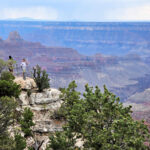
(114, 54)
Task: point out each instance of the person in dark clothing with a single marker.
(10, 64)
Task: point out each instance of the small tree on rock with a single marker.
(10, 89)
(41, 78)
(20, 142)
(7, 112)
(27, 122)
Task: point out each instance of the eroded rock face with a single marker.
(27, 84)
(46, 97)
(14, 37)
(42, 104)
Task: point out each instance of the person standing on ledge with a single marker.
(10, 64)
(24, 66)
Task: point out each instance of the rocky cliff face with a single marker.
(43, 105)
(140, 103)
(122, 75)
(14, 37)
(86, 37)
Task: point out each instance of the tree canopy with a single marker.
(100, 121)
(8, 114)
(41, 78)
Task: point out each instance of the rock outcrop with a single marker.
(14, 37)
(42, 104)
(25, 84)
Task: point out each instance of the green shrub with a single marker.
(9, 89)
(7, 142)
(100, 120)
(41, 79)
(31, 148)
(62, 141)
(7, 112)
(20, 142)
(26, 122)
(7, 76)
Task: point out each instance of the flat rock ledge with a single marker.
(46, 97)
(27, 84)
(37, 100)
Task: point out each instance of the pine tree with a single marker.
(8, 76)
(26, 122)
(100, 120)
(10, 89)
(41, 79)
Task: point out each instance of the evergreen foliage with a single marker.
(7, 142)
(100, 121)
(6, 75)
(41, 79)
(63, 141)
(70, 96)
(20, 142)
(7, 113)
(9, 89)
(26, 122)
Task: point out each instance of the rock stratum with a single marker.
(88, 38)
(122, 75)
(126, 74)
(42, 105)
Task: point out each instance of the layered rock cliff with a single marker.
(42, 105)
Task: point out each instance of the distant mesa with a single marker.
(14, 37)
(141, 97)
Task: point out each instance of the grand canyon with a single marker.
(114, 54)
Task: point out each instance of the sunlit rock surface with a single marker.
(42, 104)
(25, 84)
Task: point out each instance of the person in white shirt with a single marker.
(24, 66)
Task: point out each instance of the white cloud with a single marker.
(40, 13)
(139, 13)
(82, 10)
(136, 13)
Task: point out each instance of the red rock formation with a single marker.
(57, 60)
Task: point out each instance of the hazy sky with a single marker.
(76, 10)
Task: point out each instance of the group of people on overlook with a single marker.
(23, 66)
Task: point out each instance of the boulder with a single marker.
(27, 84)
(46, 97)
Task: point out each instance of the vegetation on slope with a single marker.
(100, 121)
(41, 78)
(8, 114)
(97, 119)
